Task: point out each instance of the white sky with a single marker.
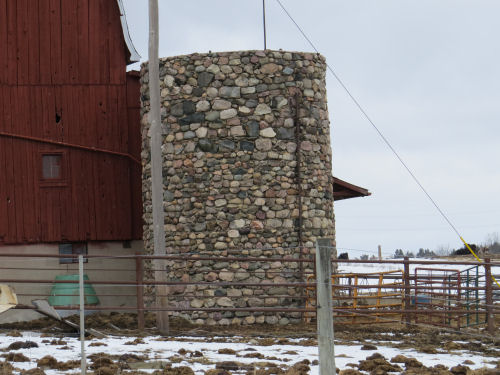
(426, 71)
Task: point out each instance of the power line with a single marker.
(365, 114)
(422, 214)
(386, 141)
(411, 229)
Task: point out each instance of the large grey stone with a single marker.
(226, 275)
(203, 105)
(262, 109)
(268, 133)
(196, 303)
(204, 79)
(237, 131)
(198, 91)
(252, 128)
(269, 68)
(220, 104)
(177, 110)
(226, 144)
(214, 69)
(285, 133)
(224, 302)
(247, 90)
(207, 145)
(261, 87)
(201, 132)
(212, 116)
(200, 227)
(168, 196)
(247, 146)
(263, 144)
(252, 103)
(255, 302)
(188, 107)
(195, 117)
(241, 81)
(228, 113)
(189, 134)
(230, 92)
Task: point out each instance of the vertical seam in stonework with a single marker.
(298, 176)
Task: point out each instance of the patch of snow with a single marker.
(158, 349)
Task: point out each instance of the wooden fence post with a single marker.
(324, 306)
(490, 317)
(406, 280)
(139, 278)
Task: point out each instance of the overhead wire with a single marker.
(379, 132)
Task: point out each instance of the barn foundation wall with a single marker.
(112, 269)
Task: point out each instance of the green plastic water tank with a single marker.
(68, 294)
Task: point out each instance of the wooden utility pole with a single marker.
(324, 306)
(156, 166)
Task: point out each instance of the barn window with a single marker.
(75, 248)
(52, 167)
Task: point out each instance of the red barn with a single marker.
(70, 143)
(69, 123)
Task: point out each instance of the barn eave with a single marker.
(345, 190)
(133, 54)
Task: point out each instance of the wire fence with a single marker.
(271, 286)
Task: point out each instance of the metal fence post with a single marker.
(324, 306)
(490, 318)
(83, 361)
(139, 278)
(406, 280)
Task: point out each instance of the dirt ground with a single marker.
(425, 340)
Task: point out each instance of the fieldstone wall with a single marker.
(247, 171)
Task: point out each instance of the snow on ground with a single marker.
(295, 350)
(157, 349)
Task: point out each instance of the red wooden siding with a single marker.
(63, 78)
(134, 137)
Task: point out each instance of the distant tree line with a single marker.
(492, 243)
(491, 246)
(495, 248)
(422, 253)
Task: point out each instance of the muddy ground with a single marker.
(373, 336)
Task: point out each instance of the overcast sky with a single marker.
(426, 71)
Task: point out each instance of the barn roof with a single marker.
(134, 55)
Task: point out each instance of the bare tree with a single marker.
(491, 239)
(443, 250)
(492, 242)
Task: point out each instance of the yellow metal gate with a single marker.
(377, 291)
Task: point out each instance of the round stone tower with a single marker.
(246, 157)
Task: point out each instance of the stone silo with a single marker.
(246, 159)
